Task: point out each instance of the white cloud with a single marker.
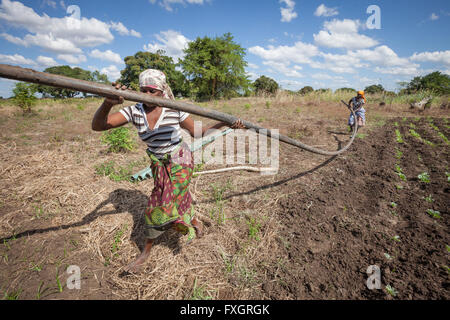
(339, 63)
(343, 34)
(288, 13)
(123, 31)
(112, 72)
(299, 53)
(65, 35)
(72, 59)
(381, 56)
(167, 4)
(253, 66)
(291, 84)
(172, 42)
(440, 57)
(46, 62)
(252, 76)
(434, 16)
(106, 55)
(16, 60)
(284, 68)
(322, 10)
(50, 3)
(407, 71)
(14, 40)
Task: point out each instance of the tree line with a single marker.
(213, 68)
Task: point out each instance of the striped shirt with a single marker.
(166, 134)
(357, 103)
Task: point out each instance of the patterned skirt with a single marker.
(170, 201)
(361, 118)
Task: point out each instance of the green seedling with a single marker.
(399, 136)
(417, 135)
(424, 177)
(388, 256)
(393, 205)
(41, 290)
(396, 238)
(198, 293)
(448, 176)
(429, 199)
(391, 290)
(439, 133)
(434, 214)
(36, 267)
(267, 104)
(253, 229)
(229, 263)
(447, 247)
(58, 282)
(399, 172)
(247, 106)
(399, 187)
(396, 123)
(13, 295)
(398, 154)
(117, 240)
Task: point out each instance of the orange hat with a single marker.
(361, 93)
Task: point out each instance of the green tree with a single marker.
(142, 61)
(24, 96)
(265, 85)
(67, 71)
(345, 90)
(375, 88)
(436, 82)
(215, 67)
(305, 90)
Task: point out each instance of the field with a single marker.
(309, 232)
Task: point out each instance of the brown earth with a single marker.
(333, 231)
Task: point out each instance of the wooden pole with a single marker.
(30, 75)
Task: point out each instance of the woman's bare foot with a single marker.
(198, 227)
(136, 266)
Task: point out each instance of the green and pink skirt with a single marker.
(170, 203)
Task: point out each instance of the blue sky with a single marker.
(324, 44)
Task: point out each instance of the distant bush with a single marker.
(265, 85)
(306, 90)
(341, 90)
(24, 96)
(376, 88)
(323, 90)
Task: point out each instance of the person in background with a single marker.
(357, 103)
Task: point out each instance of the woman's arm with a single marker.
(103, 120)
(188, 124)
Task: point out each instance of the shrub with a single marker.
(306, 90)
(118, 140)
(24, 96)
